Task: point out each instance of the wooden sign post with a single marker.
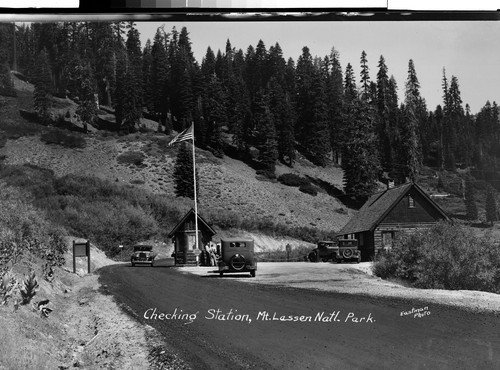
(81, 249)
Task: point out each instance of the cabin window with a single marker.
(189, 225)
(387, 239)
(411, 202)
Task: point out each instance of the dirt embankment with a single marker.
(85, 328)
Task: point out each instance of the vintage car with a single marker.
(237, 256)
(336, 251)
(143, 254)
(348, 250)
(325, 251)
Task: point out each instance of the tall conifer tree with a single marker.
(43, 84)
(183, 173)
(470, 199)
(491, 205)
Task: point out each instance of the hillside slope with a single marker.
(226, 185)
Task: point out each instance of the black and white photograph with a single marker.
(294, 190)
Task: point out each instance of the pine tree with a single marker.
(350, 91)
(135, 79)
(312, 111)
(470, 201)
(43, 82)
(360, 155)
(7, 39)
(181, 78)
(159, 77)
(383, 116)
(305, 96)
(276, 63)
(261, 75)
(104, 45)
(318, 140)
(265, 134)
(365, 79)
(414, 106)
(454, 130)
(6, 83)
(87, 107)
(394, 117)
(147, 77)
(491, 205)
(335, 92)
(183, 173)
(284, 119)
(126, 105)
(214, 114)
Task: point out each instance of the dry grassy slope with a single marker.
(226, 185)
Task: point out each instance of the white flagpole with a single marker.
(195, 200)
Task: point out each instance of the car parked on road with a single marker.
(348, 251)
(143, 254)
(236, 256)
(325, 251)
(336, 251)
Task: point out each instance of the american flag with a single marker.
(187, 134)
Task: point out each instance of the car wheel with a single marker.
(324, 259)
(237, 262)
(347, 253)
(312, 257)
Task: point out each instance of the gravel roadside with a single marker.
(355, 279)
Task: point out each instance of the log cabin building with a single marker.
(404, 208)
(183, 236)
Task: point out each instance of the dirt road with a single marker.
(216, 323)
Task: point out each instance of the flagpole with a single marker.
(195, 200)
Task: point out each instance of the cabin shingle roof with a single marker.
(378, 206)
(184, 219)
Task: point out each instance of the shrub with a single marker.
(36, 180)
(268, 174)
(108, 222)
(3, 140)
(25, 230)
(30, 285)
(134, 158)
(137, 181)
(60, 137)
(8, 286)
(446, 256)
(291, 179)
(308, 189)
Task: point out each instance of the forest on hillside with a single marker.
(258, 99)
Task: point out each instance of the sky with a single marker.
(466, 49)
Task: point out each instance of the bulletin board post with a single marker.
(81, 249)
